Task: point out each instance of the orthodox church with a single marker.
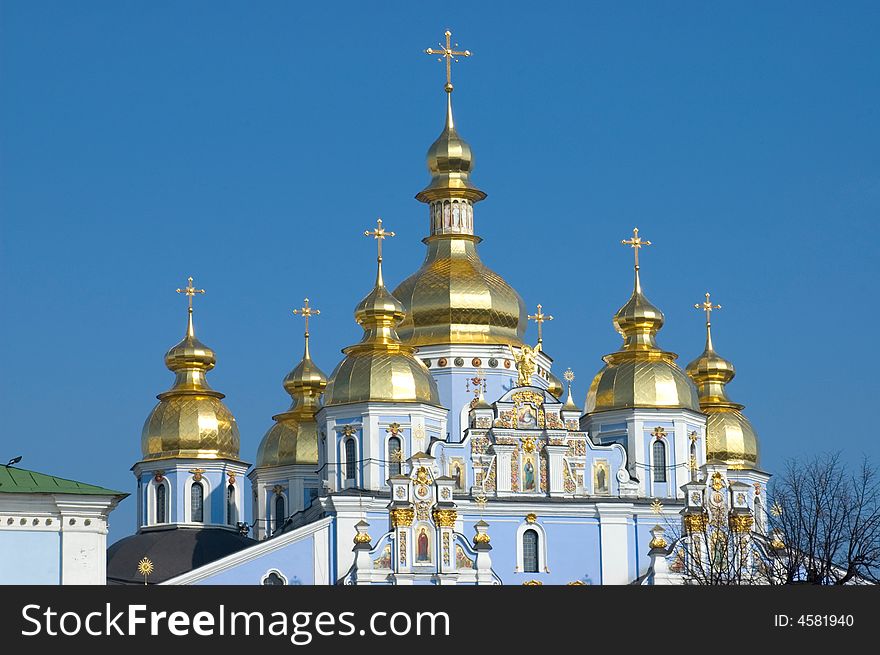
(443, 448)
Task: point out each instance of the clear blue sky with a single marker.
(249, 145)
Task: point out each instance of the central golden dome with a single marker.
(454, 297)
(640, 374)
(190, 419)
(380, 368)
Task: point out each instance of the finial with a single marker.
(568, 375)
(708, 307)
(190, 292)
(306, 312)
(379, 233)
(539, 317)
(446, 52)
(636, 243)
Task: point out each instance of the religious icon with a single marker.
(529, 476)
(422, 547)
(457, 476)
(526, 417)
(601, 479)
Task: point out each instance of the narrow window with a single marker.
(659, 462)
(530, 551)
(273, 579)
(280, 514)
(160, 504)
(395, 455)
(197, 498)
(349, 460)
(231, 513)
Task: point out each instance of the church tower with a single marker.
(644, 401)
(190, 473)
(731, 441)
(285, 479)
(464, 318)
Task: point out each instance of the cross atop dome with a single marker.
(636, 243)
(449, 55)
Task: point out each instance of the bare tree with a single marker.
(825, 522)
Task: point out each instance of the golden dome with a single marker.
(294, 437)
(555, 387)
(450, 161)
(455, 298)
(730, 437)
(190, 419)
(380, 368)
(640, 374)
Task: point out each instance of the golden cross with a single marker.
(636, 243)
(379, 234)
(190, 292)
(539, 318)
(306, 312)
(707, 307)
(449, 55)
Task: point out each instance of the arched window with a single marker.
(530, 551)
(349, 460)
(659, 464)
(273, 577)
(161, 506)
(231, 513)
(197, 502)
(395, 456)
(280, 513)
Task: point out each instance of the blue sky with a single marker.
(250, 144)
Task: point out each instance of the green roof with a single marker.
(21, 481)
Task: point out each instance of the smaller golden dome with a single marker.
(450, 161)
(730, 437)
(190, 419)
(294, 437)
(640, 374)
(380, 368)
(555, 387)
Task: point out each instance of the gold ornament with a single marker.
(539, 317)
(145, 566)
(696, 522)
(525, 363)
(197, 474)
(449, 55)
(445, 518)
(657, 506)
(362, 538)
(741, 522)
(532, 583)
(531, 517)
(402, 516)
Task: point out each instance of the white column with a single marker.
(502, 466)
(556, 463)
(615, 533)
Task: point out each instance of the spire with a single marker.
(190, 359)
(570, 405)
(306, 382)
(379, 368)
(190, 420)
(450, 159)
(711, 372)
(379, 312)
(638, 321)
